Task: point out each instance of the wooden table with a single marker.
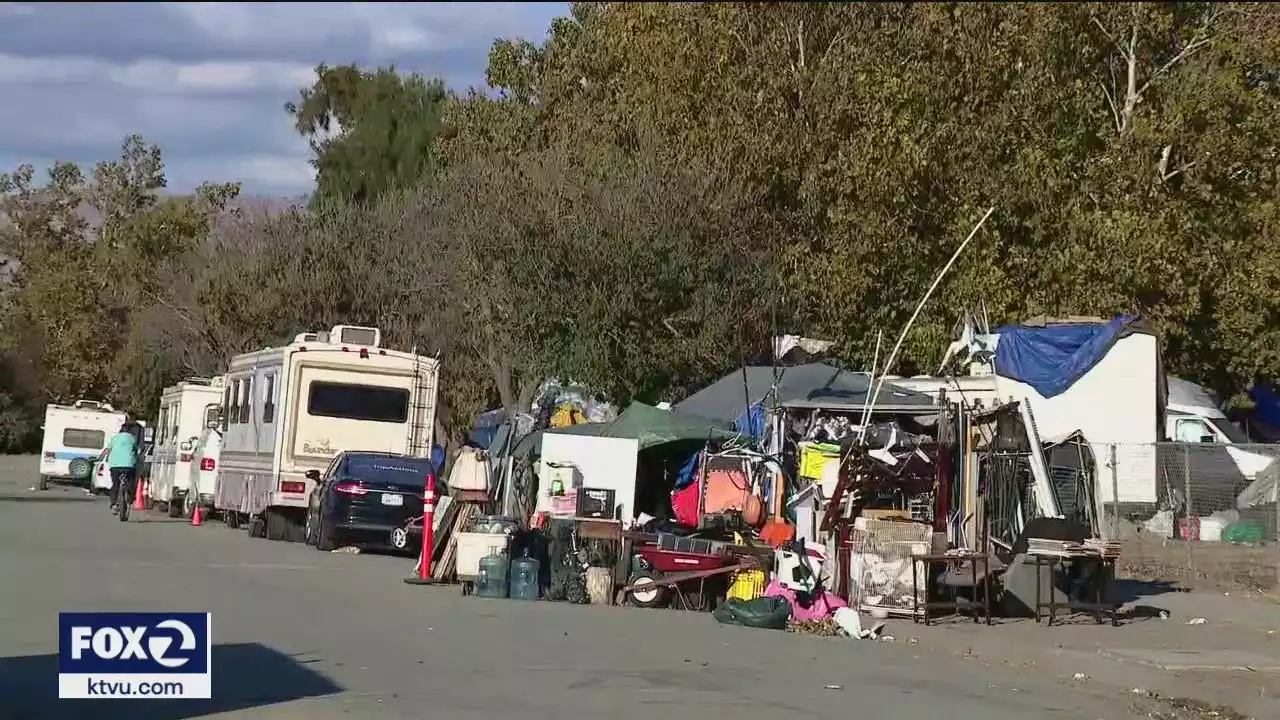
(1102, 581)
(981, 610)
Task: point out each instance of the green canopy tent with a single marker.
(651, 427)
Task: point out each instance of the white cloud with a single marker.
(208, 81)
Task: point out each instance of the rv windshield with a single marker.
(84, 439)
(1230, 429)
(358, 402)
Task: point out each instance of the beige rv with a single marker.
(290, 409)
(186, 409)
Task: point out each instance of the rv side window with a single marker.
(210, 416)
(226, 407)
(235, 403)
(173, 422)
(84, 439)
(161, 424)
(246, 400)
(358, 402)
(269, 400)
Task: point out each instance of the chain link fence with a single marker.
(1194, 514)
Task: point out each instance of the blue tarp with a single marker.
(1266, 403)
(751, 422)
(1053, 357)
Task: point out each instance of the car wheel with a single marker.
(309, 530)
(324, 537)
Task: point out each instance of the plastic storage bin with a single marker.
(746, 585)
(471, 547)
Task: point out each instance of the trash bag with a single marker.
(1243, 532)
(770, 613)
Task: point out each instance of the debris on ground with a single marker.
(1197, 621)
(1163, 708)
(348, 550)
(826, 627)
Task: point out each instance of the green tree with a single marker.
(370, 131)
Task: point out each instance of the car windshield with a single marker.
(399, 471)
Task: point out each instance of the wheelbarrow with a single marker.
(664, 575)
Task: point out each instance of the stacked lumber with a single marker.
(1093, 547)
(1055, 548)
(1108, 549)
(444, 552)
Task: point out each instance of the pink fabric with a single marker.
(684, 504)
(823, 605)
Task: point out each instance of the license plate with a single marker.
(392, 499)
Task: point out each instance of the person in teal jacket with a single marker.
(122, 461)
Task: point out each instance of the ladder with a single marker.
(422, 402)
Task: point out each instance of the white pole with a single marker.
(893, 356)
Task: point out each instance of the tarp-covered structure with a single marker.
(1051, 356)
(738, 397)
(646, 424)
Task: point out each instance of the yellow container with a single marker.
(814, 456)
(746, 585)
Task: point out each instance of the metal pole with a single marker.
(428, 522)
(1189, 513)
(1115, 495)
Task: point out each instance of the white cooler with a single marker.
(472, 546)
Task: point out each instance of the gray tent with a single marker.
(816, 385)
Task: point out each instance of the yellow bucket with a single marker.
(746, 585)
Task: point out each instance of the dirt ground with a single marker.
(1210, 566)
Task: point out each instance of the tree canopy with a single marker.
(642, 196)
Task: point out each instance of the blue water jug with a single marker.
(491, 578)
(524, 578)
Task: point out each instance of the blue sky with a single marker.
(208, 81)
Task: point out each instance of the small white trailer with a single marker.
(186, 409)
(74, 437)
(290, 409)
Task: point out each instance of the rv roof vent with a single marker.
(198, 381)
(354, 335)
(218, 382)
(306, 337)
(89, 405)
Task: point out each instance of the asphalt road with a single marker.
(304, 634)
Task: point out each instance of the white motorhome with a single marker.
(186, 409)
(291, 409)
(74, 437)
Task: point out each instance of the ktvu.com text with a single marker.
(132, 686)
(134, 655)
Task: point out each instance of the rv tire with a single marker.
(231, 518)
(277, 525)
(257, 526)
(44, 483)
(173, 507)
(295, 532)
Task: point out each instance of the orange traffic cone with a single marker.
(196, 520)
(139, 499)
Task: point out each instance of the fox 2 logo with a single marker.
(133, 643)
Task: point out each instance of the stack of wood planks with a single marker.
(457, 517)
